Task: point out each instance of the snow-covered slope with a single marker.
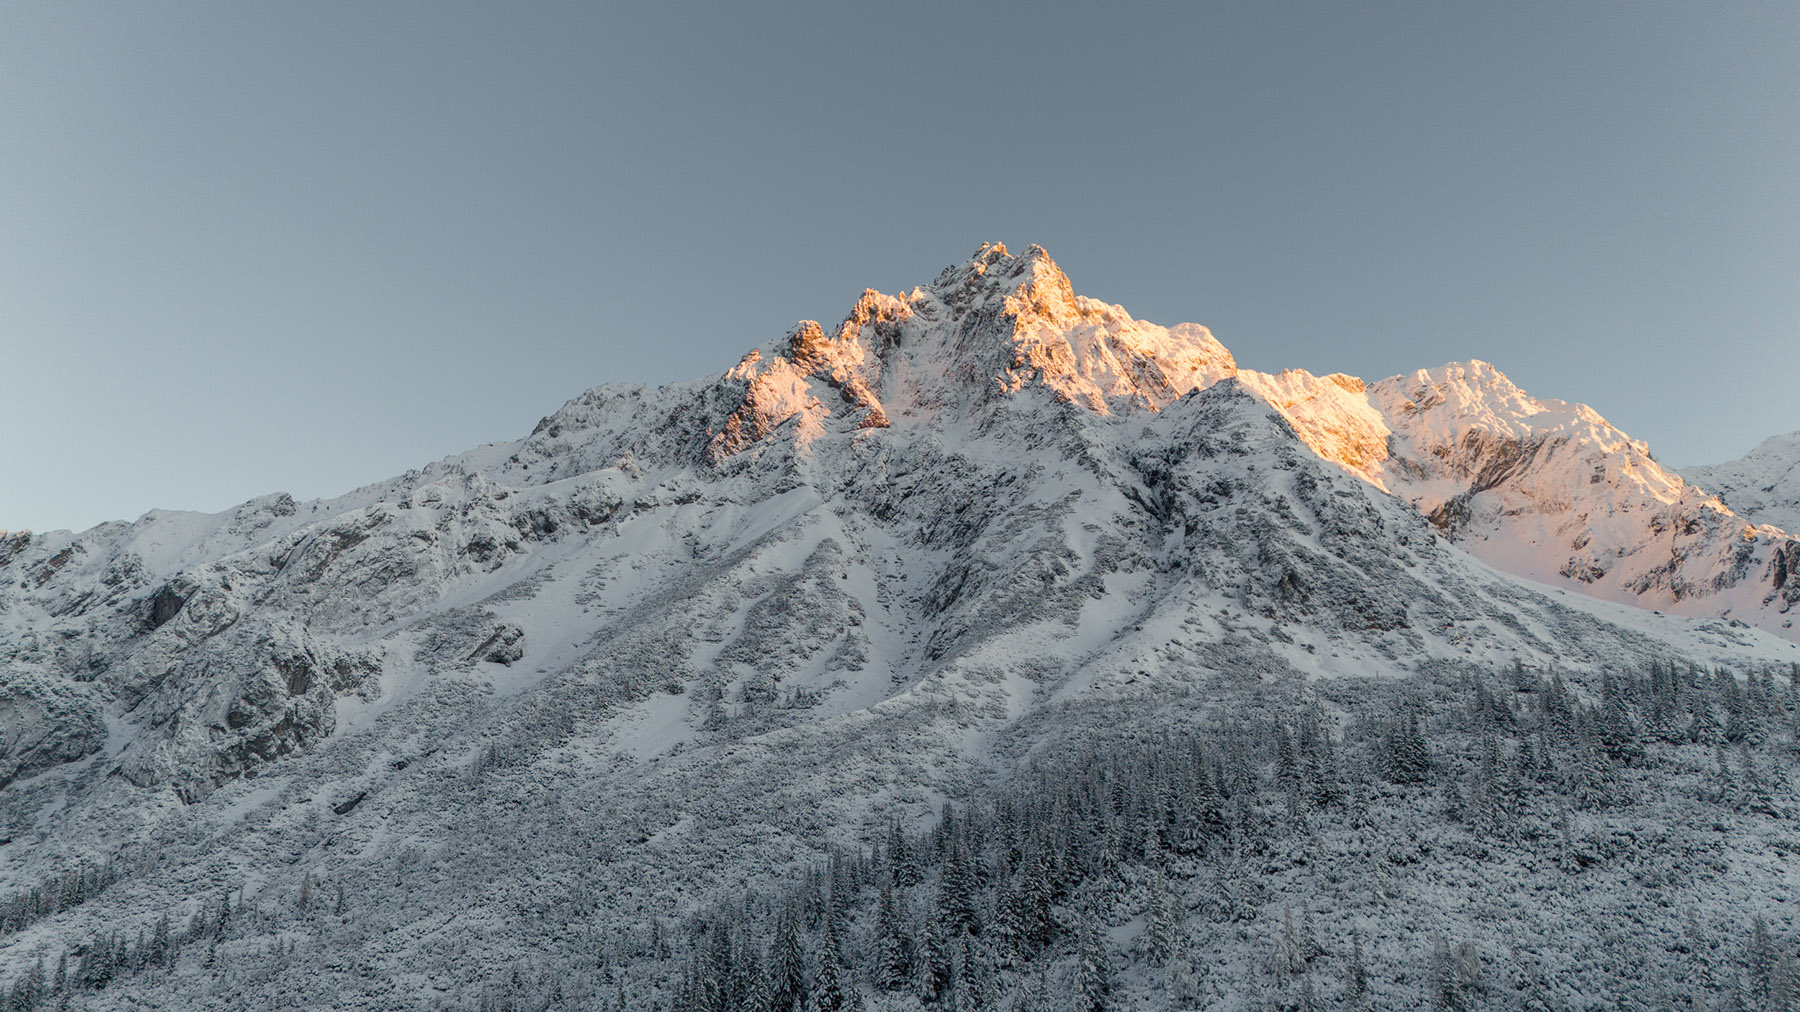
(811, 591)
(1762, 486)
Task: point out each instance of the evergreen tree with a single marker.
(1034, 996)
(1037, 896)
(1161, 921)
(787, 963)
(1465, 968)
(956, 890)
(830, 991)
(931, 968)
(1182, 983)
(1754, 790)
(900, 858)
(223, 920)
(718, 975)
(1565, 828)
(832, 986)
(1093, 967)
(893, 951)
(1440, 991)
(1409, 758)
(160, 953)
(1356, 988)
(1288, 955)
(1760, 958)
(28, 988)
(1784, 982)
(1523, 680)
(1703, 727)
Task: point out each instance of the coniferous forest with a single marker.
(1465, 839)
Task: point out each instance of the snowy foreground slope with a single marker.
(502, 719)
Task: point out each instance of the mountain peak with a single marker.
(1029, 282)
(989, 328)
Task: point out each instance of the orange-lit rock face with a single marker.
(814, 377)
(987, 329)
(1332, 415)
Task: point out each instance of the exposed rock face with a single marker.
(1551, 491)
(504, 646)
(43, 724)
(1543, 489)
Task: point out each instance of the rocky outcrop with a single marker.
(44, 723)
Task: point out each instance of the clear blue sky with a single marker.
(251, 247)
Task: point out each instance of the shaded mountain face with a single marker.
(850, 565)
(1763, 486)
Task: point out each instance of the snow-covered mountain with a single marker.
(865, 569)
(1762, 486)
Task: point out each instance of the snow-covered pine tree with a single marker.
(1760, 957)
(1160, 921)
(752, 993)
(1093, 965)
(160, 943)
(787, 962)
(957, 890)
(834, 986)
(1035, 995)
(931, 959)
(1287, 955)
(1037, 896)
(893, 944)
(1409, 758)
(1356, 984)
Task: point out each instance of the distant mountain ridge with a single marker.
(1762, 486)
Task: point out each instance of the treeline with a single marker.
(113, 955)
(73, 888)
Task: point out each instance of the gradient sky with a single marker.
(301, 247)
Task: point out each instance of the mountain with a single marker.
(1542, 489)
(534, 702)
(1762, 486)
